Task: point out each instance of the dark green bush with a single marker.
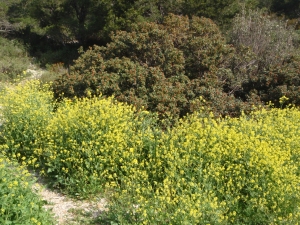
(163, 68)
(167, 67)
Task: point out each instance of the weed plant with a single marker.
(232, 171)
(18, 203)
(202, 171)
(26, 109)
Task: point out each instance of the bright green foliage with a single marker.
(18, 204)
(202, 171)
(164, 68)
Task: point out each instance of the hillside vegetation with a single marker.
(202, 171)
(176, 112)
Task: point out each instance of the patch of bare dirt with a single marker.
(35, 73)
(63, 207)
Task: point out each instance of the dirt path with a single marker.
(65, 209)
(35, 73)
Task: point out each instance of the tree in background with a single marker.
(14, 16)
(5, 25)
(221, 11)
(156, 10)
(290, 8)
(69, 20)
(54, 29)
(91, 21)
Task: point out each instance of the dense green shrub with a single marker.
(163, 68)
(166, 68)
(18, 203)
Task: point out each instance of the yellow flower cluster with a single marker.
(25, 112)
(232, 171)
(202, 171)
(86, 143)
